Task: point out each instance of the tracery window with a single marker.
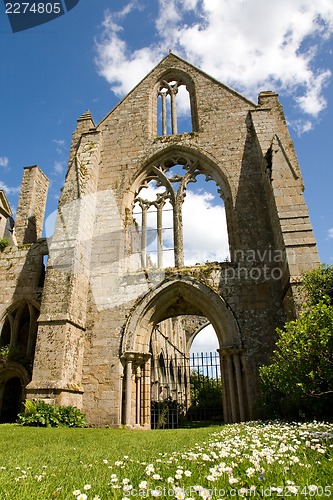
(20, 330)
(178, 218)
(176, 107)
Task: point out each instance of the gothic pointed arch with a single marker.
(174, 103)
(161, 200)
(173, 297)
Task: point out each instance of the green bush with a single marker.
(40, 414)
(3, 243)
(318, 285)
(299, 381)
(13, 353)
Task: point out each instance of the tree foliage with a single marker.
(299, 380)
(206, 398)
(318, 285)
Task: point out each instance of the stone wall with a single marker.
(100, 307)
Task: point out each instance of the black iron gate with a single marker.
(186, 391)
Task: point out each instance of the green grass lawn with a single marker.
(249, 460)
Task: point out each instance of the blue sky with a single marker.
(93, 55)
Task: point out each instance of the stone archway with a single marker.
(174, 297)
(13, 380)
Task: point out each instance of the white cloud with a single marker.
(330, 233)
(8, 189)
(121, 68)
(205, 341)
(204, 228)
(4, 161)
(59, 167)
(60, 145)
(252, 46)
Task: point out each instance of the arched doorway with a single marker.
(11, 400)
(181, 296)
(17, 343)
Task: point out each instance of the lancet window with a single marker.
(179, 220)
(176, 107)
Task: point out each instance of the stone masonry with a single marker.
(104, 308)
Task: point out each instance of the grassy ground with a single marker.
(249, 460)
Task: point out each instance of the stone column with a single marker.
(239, 384)
(138, 395)
(164, 114)
(247, 385)
(128, 392)
(173, 93)
(136, 398)
(234, 404)
(160, 234)
(144, 235)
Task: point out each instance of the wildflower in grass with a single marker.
(312, 487)
(127, 488)
(105, 461)
(178, 476)
(156, 477)
(170, 480)
(150, 469)
(76, 492)
(87, 487)
(155, 493)
(233, 480)
(119, 463)
(81, 496)
(250, 472)
(188, 473)
(96, 498)
(293, 489)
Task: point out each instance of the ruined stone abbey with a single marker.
(89, 316)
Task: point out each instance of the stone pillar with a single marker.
(31, 206)
(239, 383)
(58, 363)
(235, 399)
(138, 395)
(164, 113)
(128, 393)
(173, 93)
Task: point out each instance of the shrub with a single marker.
(318, 285)
(299, 380)
(13, 353)
(41, 414)
(3, 243)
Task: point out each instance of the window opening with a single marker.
(179, 217)
(174, 108)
